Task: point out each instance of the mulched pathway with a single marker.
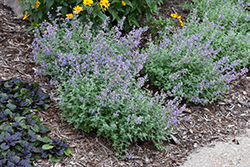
(208, 124)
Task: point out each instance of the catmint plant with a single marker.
(196, 62)
(232, 14)
(99, 86)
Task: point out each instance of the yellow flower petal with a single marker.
(87, 2)
(123, 3)
(26, 16)
(69, 16)
(174, 15)
(178, 17)
(77, 9)
(104, 4)
(37, 4)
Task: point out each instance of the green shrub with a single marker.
(93, 11)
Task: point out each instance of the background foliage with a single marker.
(133, 10)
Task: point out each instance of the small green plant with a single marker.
(22, 137)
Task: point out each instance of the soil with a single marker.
(208, 124)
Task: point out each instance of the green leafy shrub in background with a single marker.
(94, 11)
(22, 137)
(98, 83)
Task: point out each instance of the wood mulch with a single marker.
(208, 124)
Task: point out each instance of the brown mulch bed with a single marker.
(208, 124)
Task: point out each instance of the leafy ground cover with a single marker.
(22, 138)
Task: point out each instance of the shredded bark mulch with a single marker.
(208, 124)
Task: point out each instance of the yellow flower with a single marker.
(87, 2)
(181, 23)
(26, 16)
(179, 17)
(37, 4)
(18, 0)
(69, 16)
(123, 3)
(77, 9)
(104, 4)
(174, 15)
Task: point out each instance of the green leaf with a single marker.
(35, 117)
(16, 95)
(5, 152)
(25, 7)
(114, 13)
(35, 157)
(40, 14)
(54, 159)
(19, 148)
(17, 119)
(23, 124)
(78, 1)
(29, 101)
(134, 21)
(101, 15)
(8, 111)
(3, 95)
(45, 106)
(35, 128)
(135, 6)
(148, 17)
(33, 2)
(68, 152)
(5, 126)
(47, 146)
(14, 90)
(36, 109)
(65, 4)
(35, 17)
(45, 128)
(128, 3)
(24, 91)
(12, 107)
(44, 139)
(64, 11)
(49, 4)
(7, 85)
(36, 143)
